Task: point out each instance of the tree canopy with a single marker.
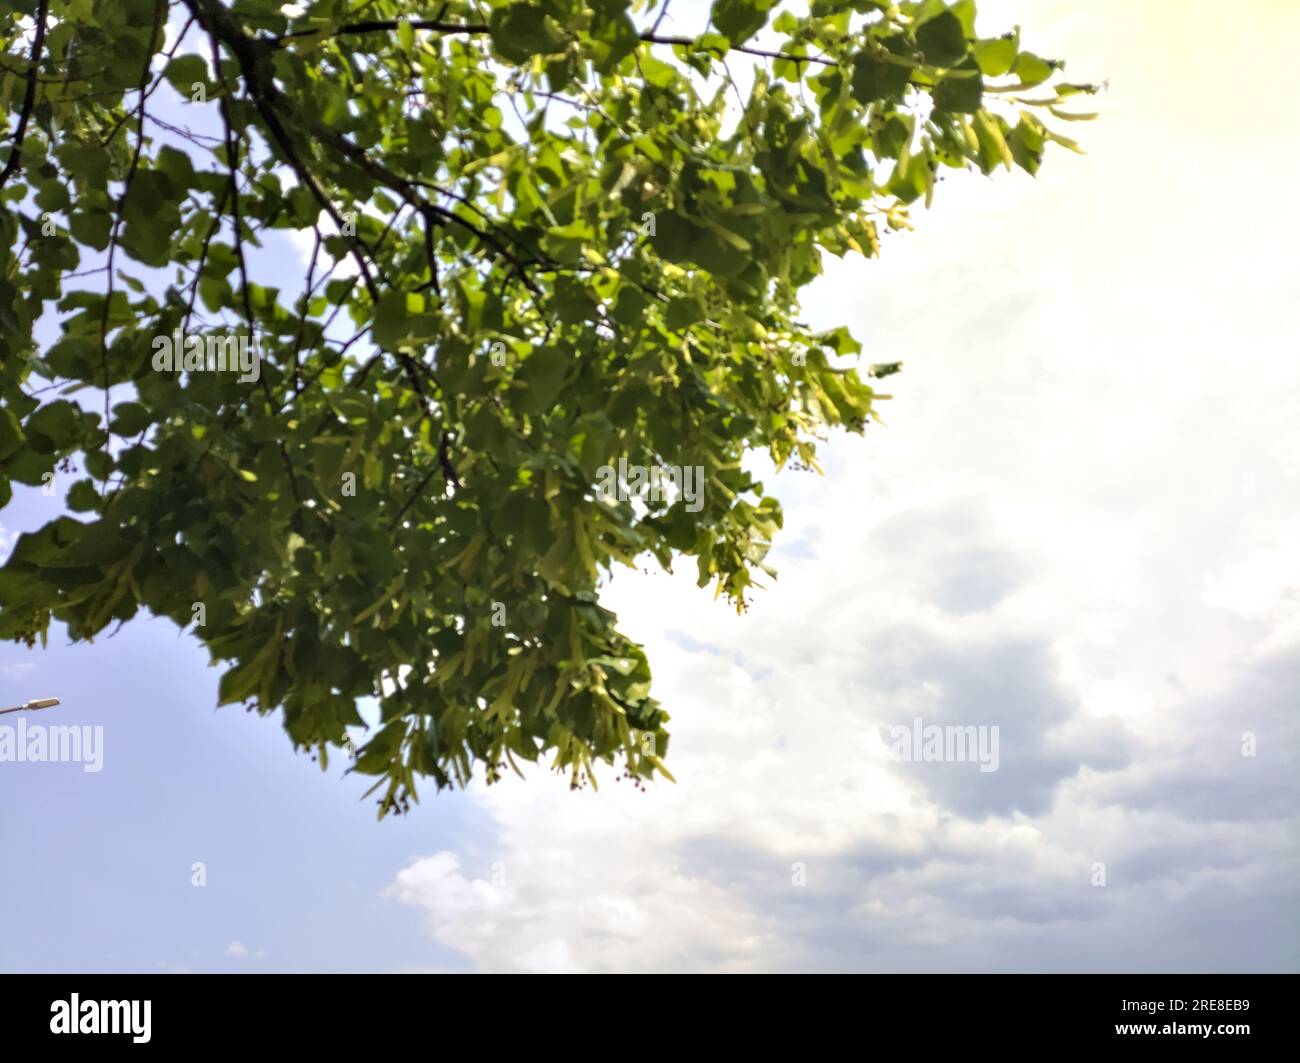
(537, 237)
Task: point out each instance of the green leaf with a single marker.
(961, 91)
(405, 35)
(875, 79)
(542, 375)
(130, 418)
(11, 436)
(738, 20)
(675, 236)
(82, 496)
(57, 426)
(1031, 70)
(682, 313)
(995, 57)
(942, 39)
(399, 321)
(91, 227)
(615, 30)
(185, 71)
(522, 30)
(994, 149)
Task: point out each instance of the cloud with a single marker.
(237, 949)
(780, 752)
(1079, 527)
(521, 921)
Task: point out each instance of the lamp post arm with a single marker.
(33, 705)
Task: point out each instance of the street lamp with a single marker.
(32, 706)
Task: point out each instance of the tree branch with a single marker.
(475, 29)
(159, 13)
(29, 99)
(250, 52)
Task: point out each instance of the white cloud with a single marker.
(237, 949)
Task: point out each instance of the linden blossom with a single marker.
(197, 354)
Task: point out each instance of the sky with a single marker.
(1081, 526)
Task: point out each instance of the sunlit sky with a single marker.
(1081, 525)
